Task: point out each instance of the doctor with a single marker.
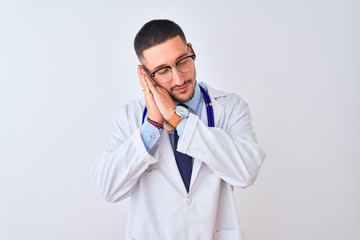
(178, 152)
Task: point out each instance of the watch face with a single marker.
(182, 111)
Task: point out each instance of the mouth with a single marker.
(182, 88)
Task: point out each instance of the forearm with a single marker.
(119, 168)
(125, 159)
(150, 135)
(232, 153)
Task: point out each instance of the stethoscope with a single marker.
(208, 104)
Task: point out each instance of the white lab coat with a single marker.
(224, 156)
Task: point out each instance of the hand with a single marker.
(162, 98)
(153, 111)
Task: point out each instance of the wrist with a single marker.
(170, 113)
(155, 124)
(156, 119)
(176, 117)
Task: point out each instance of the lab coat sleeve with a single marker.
(149, 135)
(230, 151)
(115, 174)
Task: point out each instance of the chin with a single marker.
(182, 98)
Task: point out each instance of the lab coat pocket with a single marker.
(236, 234)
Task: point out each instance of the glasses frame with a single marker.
(193, 56)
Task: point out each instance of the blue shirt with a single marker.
(150, 134)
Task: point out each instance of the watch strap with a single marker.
(174, 120)
(168, 127)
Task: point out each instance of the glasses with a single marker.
(165, 74)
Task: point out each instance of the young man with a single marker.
(179, 158)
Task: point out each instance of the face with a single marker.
(181, 86)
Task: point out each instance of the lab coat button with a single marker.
(153, 137)
(187, 202)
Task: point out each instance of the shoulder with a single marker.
(223, 97)
(134, 106)
(132, 112)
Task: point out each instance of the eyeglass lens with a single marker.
(184, 65)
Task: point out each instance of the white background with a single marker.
(66, 68)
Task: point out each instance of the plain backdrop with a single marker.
(67, 67)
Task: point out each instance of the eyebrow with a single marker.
(163, 65)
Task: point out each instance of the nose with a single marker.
(177, 77)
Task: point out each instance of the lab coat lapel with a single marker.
(218, 110)
(169, 159)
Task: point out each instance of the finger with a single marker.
(139, 71)
(140, 75)
(146, 75)
(143, 83)
(151, 84)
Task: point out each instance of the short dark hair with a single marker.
(156, 32)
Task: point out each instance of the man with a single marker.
(179, 158)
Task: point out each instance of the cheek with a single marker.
(194, 74)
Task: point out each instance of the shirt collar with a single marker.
(194, 102)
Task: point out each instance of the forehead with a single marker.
(165, 53)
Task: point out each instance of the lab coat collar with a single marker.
(213, 92)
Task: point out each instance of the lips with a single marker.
(183, 88)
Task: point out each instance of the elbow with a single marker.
(243, 180)
(250, 174)
(248, 181)
(110, 189)
(109, 192)
(113, 195)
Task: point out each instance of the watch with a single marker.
(178, 115)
